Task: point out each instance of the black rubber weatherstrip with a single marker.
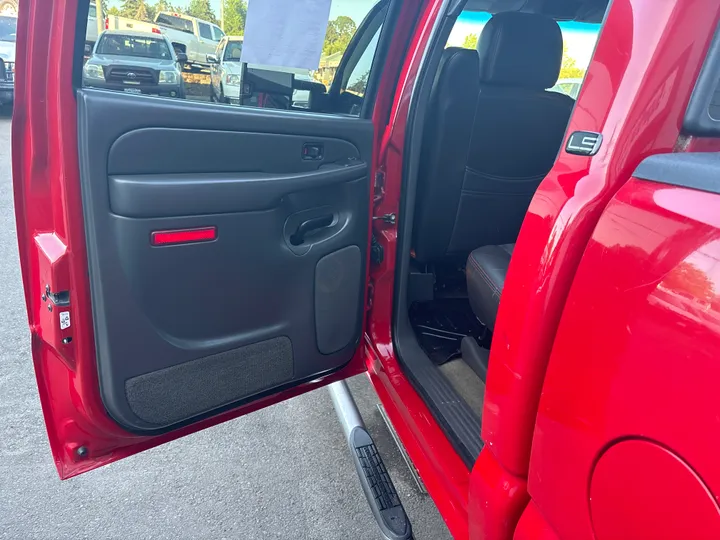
(457, 419)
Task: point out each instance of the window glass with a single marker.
(233, 51)
(177, 23)
(578, 45)
(133, 58)
(217, 33)
(205, 31)
(358, 79)
(8, 28)
(130, 45)
(92, 12)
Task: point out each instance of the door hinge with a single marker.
(390, 219)
(61, 298)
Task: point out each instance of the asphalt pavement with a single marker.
(283, 472)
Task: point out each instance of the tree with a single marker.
(568, 69)
(129, 8)
(358, 87)
(235, 14)
(470, 41)
(113, 11)
(339, 33)
(202, 10)
(142, 13)
(164, 5)
(688, 280)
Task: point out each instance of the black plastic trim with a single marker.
(378, 487)
(695, 170)
(705, 98)
(164, 195)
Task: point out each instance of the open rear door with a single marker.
(184, 263)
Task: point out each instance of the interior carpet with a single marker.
(441, 325)
(466, 383)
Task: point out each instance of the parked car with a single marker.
(532, 284)
(194, 37)
(8, 29)
(116, 22)
(136, 63)
(227, 71)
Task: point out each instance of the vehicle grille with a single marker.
(138, 76)
(7, 71)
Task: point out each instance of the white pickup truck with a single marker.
(194, 37)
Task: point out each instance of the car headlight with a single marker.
(168, 77)
(93, 71)
(232, 80)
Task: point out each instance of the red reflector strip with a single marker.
(184, 236)
(156, 30)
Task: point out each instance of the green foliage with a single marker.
(164, 5)
(359, 86)
(568, 69)
(235, 15)
(129, 8)
(339, 33)
(142, 13)
(135, 9)
(202, 10)
(470, 41)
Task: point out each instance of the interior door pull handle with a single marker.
(298, 237)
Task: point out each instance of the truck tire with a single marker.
(8, 7)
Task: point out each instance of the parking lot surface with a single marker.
(283, 472)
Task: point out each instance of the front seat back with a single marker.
(493, 133)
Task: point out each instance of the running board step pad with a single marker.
(378, 486)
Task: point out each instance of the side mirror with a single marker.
(212, 59)
(182, 57)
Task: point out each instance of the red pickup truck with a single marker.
(527, 279)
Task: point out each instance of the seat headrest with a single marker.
(520, 49)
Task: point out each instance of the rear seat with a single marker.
(486, 270)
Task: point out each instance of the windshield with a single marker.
(133, 46)
(8, 28)
(178, 23)
(233, 51)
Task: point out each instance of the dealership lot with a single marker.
(283, 472)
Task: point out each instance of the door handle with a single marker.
(298, 237)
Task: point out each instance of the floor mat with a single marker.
(441, 325)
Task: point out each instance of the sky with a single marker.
(579, 37)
